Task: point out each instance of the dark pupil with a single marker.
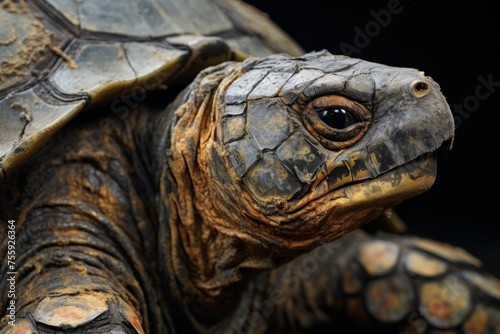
(336, 118)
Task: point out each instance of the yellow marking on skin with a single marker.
(374, 159)
(421, 264)
(360, 173)
(486, 283)
(442, 305)
(378, 257)
(447, 251)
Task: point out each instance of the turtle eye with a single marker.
(337, 118)
(336, 121)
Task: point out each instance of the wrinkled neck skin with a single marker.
(204, 269)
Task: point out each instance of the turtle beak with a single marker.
(411, 120)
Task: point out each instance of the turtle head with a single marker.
(303, 150)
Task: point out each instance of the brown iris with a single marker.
(336, 121)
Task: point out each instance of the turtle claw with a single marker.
(81, 313)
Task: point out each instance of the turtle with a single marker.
(173, 166)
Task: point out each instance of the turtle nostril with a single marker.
(420, 88)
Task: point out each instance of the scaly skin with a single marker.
(375, 284)
(162, 222)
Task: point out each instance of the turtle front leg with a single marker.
(379, 284)
(69, 304)
(79, 251)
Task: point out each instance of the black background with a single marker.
(455, 45)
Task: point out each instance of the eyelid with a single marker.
(332, 138)
(341, 102)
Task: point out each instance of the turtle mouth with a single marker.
(355, 204)
(403, 181)
(342, 210)
(394, 185)
(327, 215)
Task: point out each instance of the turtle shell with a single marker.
(59, 58)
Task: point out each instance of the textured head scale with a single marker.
(305, 149)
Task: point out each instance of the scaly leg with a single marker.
(376, 284)
(80, 240)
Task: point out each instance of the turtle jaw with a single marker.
(379, 194)
(328, 214)
(408, 180)
(342, 210)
